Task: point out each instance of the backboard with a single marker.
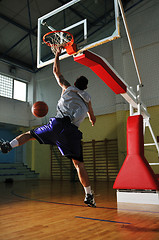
(91, 22)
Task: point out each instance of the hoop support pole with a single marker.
(153, 136)
(129, 40)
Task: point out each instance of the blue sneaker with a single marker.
(5, 146)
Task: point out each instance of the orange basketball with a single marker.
(39, 109)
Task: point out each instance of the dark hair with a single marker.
(81, 83)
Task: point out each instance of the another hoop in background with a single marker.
(56, 39)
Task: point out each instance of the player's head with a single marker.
(81, 83)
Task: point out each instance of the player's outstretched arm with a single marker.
(56, 71)
(90, 113)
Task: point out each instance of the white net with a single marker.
(57, 39)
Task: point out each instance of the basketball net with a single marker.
(57, 39)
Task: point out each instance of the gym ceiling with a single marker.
(18, 29)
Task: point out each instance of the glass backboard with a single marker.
(91, 22)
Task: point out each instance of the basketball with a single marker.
(39, 109)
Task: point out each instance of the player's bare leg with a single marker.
(6, 146)
(84, 179)
(82, 173)
(24, 138)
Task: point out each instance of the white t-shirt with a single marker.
(73, 103)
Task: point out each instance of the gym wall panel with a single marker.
(14, 112)
(105, 127)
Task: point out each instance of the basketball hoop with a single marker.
(63, 39)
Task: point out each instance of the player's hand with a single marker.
(58, 52)
(93, 120)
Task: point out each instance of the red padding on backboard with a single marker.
(136, 172)
(101, 68)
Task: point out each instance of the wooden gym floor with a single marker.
(45, 210)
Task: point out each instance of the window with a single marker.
(19, 92)
(12, 88)
(6, 84)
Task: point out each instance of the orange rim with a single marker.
(65, 45)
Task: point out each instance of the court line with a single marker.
(95, 219)
(45, 201)
(78, 205)
(102, 220)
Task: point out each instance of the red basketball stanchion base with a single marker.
(136, 179)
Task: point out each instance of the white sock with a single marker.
(88, 190)
(14, 143)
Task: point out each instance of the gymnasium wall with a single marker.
(111, 110)
(13, 111)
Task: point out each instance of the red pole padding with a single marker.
(136, 172)
(103, 70)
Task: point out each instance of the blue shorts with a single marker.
(64, 134)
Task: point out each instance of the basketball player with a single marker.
(72, 108)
